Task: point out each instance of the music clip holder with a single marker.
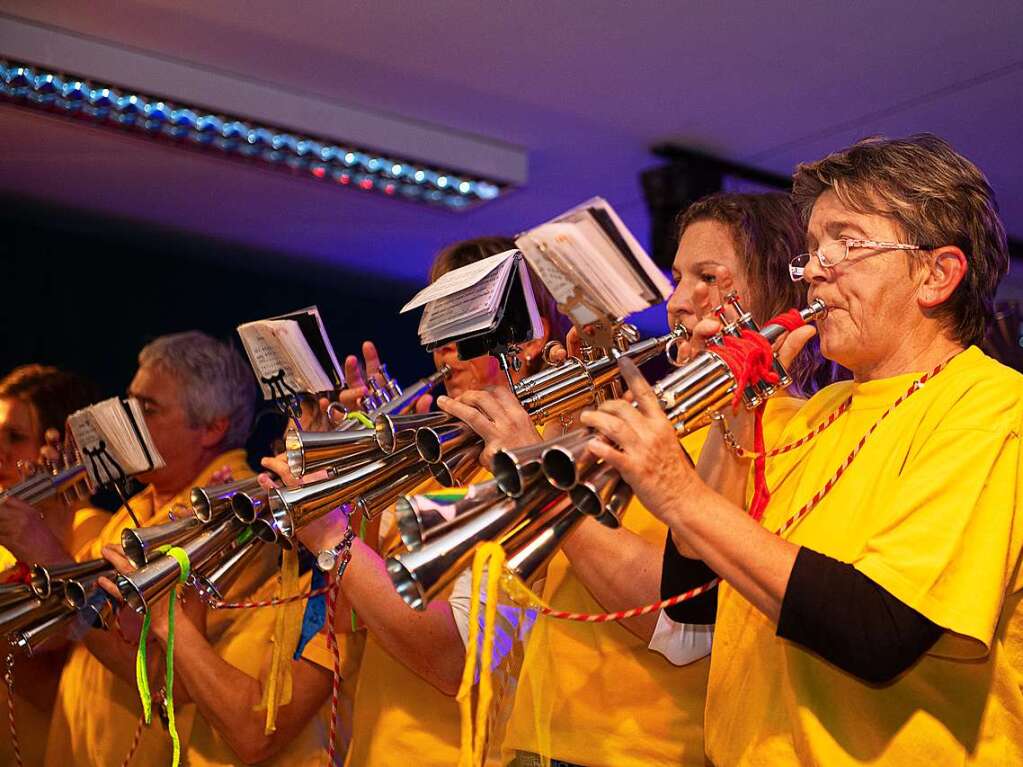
(285, 397)
(99, 459)
(503, 339)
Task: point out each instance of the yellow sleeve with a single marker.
(86, 527)
(946, 545)
(349, 648)
(7, 560)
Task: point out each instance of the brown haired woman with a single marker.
(593, 694)
(35, 400)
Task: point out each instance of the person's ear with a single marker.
(946, 269)
(215, 431)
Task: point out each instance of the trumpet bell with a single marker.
(99, 609)
(593, 493)
(214, 583)
(308, 451)
(374, 501)
(434, 443)
(458, 468)
(141, 544)
(420, 574)
(47, 580)
(565, 460)
(420, 519)
(394, 432)
(515, 468)
(293, 508)
(215, 500)
(150, 582)
(530, 552)
(77, 590)
(249, 504)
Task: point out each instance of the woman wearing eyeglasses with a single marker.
(873, 616)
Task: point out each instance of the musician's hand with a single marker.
(357, 375)
(496, 415)
(325, 532)
(130, 622)
(644, 445)
(703, 324)
(189, 607)
(50, 451)
(222, 476)
(278, 464)
(24, 532)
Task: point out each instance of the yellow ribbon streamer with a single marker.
(287, 630)
(474, 737)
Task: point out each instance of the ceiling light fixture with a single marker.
(175, 101)
(105, 104)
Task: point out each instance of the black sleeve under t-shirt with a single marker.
(829, 607)
(679, 574)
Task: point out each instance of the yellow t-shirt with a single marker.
(398, 717)
(612, 702)
(33, 723)
(96, 712)
(928, 511)
(247, 645)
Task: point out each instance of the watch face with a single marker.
(326, 559)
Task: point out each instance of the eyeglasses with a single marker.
(836, 252)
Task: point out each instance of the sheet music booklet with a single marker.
(485, 307)
(112, 441)
(593, 265)
(291, 353)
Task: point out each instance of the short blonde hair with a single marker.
(936, 197)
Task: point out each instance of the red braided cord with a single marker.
(796, 518)
(806, 438)
(788, 525)
(623, 614)
(335, 687)
(218, 605)
(9, 681)
(134, 741)
(18, 573)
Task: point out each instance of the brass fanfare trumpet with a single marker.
(532, 525)
(691, 395)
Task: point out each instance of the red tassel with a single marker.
(750, 358)
(20, 573)
(761, 493)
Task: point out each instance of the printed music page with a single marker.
(457, 280)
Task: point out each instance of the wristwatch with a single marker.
(327, 559)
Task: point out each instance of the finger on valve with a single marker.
(372, 362)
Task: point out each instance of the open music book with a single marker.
(489, 303)
(593, 265)
(112, 441)
(292, 354)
